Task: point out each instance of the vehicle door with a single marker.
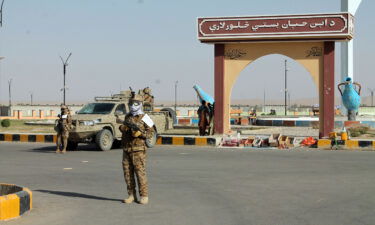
(120, 111)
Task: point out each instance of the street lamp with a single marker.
(175, 96)
(286, 87)
(65, 64)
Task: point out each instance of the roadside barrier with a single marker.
(14, 201)
(162, 140)
(193, 140)
(329, 144)
(187, 140)
(48, 138)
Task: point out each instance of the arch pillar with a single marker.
(317, 57)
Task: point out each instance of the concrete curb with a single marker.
(44, 138)
(14, 201)
(188, 140)
(326, 144)
(162, 139)
(364, 145)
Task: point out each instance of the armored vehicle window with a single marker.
(120, 109)
(97, 108)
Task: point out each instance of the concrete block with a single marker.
(351, 144)
(185, 121)
(277, 123)
(244, 121)
(339, 124)
(324, 143)
(351, 123)
(300, 123)
(289, 123)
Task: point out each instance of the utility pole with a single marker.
(264, 100)
(1, 58)
(372, 96)
(65, 64)
(175, 96)
(286, 87)
(1, 13)
(1, 22)
(10, 95)
(31, 98)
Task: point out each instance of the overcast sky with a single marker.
(138, 43)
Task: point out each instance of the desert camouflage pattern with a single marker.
(63, 127)
(148, 99)
(134, 163)
(134, 155)
(131, 143)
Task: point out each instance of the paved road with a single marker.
(195, 186)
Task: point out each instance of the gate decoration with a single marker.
(308, 39)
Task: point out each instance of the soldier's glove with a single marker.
(123, 128)
(136, 133)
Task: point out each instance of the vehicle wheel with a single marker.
(104, 140)
(171, 113)
(72, 145)
(150, 142)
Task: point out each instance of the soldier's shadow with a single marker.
(81, 147)
(77, 195)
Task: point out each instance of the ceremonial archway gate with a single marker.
(308, 39)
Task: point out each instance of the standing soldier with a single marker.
(148, 99)
(63, 126)
(203, 114)
(211, 126)
(136, 128)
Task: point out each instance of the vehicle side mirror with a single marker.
(118, 113)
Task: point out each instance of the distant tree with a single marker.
(5, 123)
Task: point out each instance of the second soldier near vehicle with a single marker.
(136, 128)
(62, 128)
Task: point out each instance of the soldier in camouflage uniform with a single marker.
(134, 134)
(63, 126)
(148, 99)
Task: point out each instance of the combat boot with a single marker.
(63, 151)
(130, 199)
(144, 200)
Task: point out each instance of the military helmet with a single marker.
(147, 90)
(63, 107)
(136, 98)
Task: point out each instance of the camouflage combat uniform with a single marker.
(134, 155)
(148, 99)
(63, 127)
